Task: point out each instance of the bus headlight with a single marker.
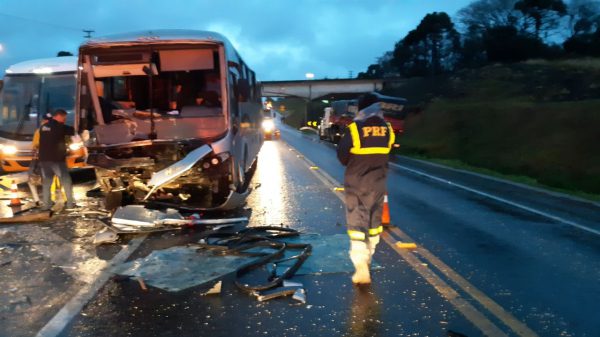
(9, 150)
(75, 146)
(268, 125)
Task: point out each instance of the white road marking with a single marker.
(499, 199)
(500, 180)
(57, 324)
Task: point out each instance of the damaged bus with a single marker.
(33, 89)
(173, 118)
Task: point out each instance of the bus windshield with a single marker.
(182, 88)
(26, 98)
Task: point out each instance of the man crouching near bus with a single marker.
(364, 150)
(52, 157)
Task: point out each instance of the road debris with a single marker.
(300, 295)
(142, 283)
(105, 236)
(138, 218)
(406, 245)
(276, 293)
(216, 289)
(27, 217)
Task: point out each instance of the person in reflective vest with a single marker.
(364, 150)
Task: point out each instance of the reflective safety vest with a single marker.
(371, 139)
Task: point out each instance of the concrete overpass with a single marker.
(312, 89)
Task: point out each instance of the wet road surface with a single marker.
(285, 192)
(543, 271)
(482, 267)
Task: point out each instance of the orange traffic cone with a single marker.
(385, 217)
(14, 190)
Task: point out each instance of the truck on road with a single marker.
(341, 113)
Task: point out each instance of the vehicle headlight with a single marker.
(75, 146)
(268, 125)
(9, 149)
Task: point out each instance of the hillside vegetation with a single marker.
(539, 119)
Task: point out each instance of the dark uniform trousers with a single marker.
(364, 150)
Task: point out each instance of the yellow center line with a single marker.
(470, 312)
(517, 326)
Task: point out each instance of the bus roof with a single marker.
(158, 36)
(44, 66)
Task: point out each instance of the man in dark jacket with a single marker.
(364, 150)
(52, 157)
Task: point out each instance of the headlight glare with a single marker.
(9, 149)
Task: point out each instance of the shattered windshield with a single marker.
(182, 88)
(26, 98)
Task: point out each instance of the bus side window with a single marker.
(233, 95)
(244, 90)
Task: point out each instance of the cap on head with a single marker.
(366, 100)
(60, 112)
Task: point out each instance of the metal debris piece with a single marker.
(172, 172)
(300, 295)
(140, 216)
(105, 236)
(89, 212)
(288, 283)
(216, 289)
(132, 217)
(276, 293)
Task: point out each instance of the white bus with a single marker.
(32, 89)
(174, 118)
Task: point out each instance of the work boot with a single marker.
(373, 242)
(359, 255)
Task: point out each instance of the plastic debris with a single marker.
(105, 236)
(406, 245)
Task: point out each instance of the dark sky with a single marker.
(279, 39)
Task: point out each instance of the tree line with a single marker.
(493, 31)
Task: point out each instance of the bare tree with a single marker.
(545, 14)
(485, 14)
(584, 16)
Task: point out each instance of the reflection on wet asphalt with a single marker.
(518, 259)
(285, 192)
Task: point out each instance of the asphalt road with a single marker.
(517, 245)
(492, 259)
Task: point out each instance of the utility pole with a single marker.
(88, 33)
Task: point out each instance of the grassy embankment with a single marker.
(536, 123)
